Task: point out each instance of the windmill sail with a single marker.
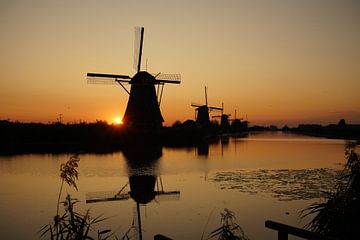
(196, 104)
(107, 75)
(167, 196)
(167, 77)
(105, 196)
(138, 42)
(104, 78)
(104, 81)
(216, 108)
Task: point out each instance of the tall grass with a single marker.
(68, 174)
(338, 216)
(229, 229)
(71, 224)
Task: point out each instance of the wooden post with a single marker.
(282, 235)
(161, 237)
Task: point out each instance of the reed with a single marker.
(338, 215)
(71, 224)
(229, 229)
(68, 174)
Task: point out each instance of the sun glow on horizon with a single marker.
(118, 121)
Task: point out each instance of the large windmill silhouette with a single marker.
(202, 111)
(143, 108)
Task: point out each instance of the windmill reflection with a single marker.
(224, 140)
(145, 183)
(202, 148)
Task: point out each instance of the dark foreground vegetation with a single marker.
(17, 137)
(338, 215)
(97, 137)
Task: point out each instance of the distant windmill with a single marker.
(239, 124)
(202, 111)
(232, 120)
(143, 108)
(224, 118)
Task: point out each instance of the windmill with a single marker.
(202, 111)
(143, 107)
(239, 124)
(142, 191)
(235, 121)
(224, 118)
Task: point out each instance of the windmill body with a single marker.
(224, 119)
(143, 108)
(202, 115)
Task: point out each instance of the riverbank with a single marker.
(333, 131)
(100, 137)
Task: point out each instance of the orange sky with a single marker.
(276, 62)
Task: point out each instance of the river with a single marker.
(259, 177)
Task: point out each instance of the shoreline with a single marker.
(99, 137)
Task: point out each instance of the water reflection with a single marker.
(203, 149)
(224, 140)
(145, 183)
(234, 169)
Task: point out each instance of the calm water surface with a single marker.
(264, 176)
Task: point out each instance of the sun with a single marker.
(118, 121)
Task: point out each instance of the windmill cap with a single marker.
(143, 77)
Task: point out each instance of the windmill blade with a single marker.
(221, 115)
(206, 99)
(167, 77)
(215, 108)
(106, 75)
(159, 81)
(107, 79)
(162, 196)
(138, 44)
(196, 105)
(106, 196)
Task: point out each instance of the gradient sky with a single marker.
(276, 62)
